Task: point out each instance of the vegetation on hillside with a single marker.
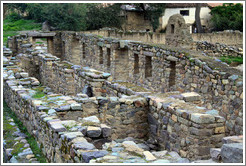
(81, 16)
(14, 23)
(228, 16)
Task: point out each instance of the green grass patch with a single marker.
(231, 59)
(39, 42)
(38, 95)
(11, 27)
(30, 139)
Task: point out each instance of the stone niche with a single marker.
(177, 32)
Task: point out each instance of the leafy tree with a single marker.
(228, 16)
(65, 16)
(99, 16)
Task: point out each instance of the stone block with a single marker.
(90, 121)
(202, 118)
(149, 156)
(160, 154)
(172, 58)
(191, 96)
(93, 132)
(174, 118)
(232, 153)
(232, 139)
(219, 130)
(201, 132)
(84, 146)
(76, 106)
(106, 130)
(215, 154)
(87, 156)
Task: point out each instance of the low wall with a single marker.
(219, 50)
(148, 37)
(234, 38)
(183, 127)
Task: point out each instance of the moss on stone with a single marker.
(18, 148)
(133, 87)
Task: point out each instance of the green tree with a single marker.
(63, 16)
(99, 16)
(228, 16)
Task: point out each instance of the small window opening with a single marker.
(172, 28)
(108, 57)
(100, 55)
(136, 64)
(172, 75)
(184, 12)
(148, 66)
(83, 50)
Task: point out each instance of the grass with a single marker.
(30, 139)
(231, 59)
(38, 95)
(11, 28)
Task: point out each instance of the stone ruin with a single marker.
(177, 32)
(111, 100)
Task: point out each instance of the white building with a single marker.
(187, 10)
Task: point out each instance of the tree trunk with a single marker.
(197, 18)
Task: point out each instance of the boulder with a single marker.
(232, 153)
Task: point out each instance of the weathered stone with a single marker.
(202, 118)
(76, 106)
(87, 156)
(106, 130)
(132, 147)
(172, 58)
(232, 153)
(149, 156)
(93, 131)
(160, 154)
(232, 139)
(91, 120)
(191, 96)
(215, 154)
(84, 146)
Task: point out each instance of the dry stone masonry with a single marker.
(86, 98)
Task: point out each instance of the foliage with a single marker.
(228, 16)
(231, 59)
(81, 16)
(11, 27)
(30, 139)
(65, 16)
(20, 25)
(98, 16)
(13, 16)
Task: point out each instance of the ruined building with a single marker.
(170, 98)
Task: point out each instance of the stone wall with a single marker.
(162, 69)
(234, 38)
(62, 76)
(151, 69)
(183, 127)
(148, 37)
(227, 38)
(58, 123)
(218, 49)
(173, 69)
